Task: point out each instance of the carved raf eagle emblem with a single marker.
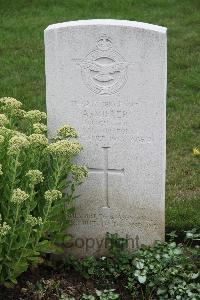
(104, 69)
(104, 72)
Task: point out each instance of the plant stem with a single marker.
(13, 229)
(14, 171)
(42, 226)
(22, 252)
(57, 175)
(30, 200)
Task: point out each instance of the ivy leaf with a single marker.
(161, 291)
(142, 279)
(178, 251)
(139, 265)
(189, 235)
(195, 275)
(99, 293)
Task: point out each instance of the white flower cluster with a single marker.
(17, 143)
(1, 172)
(67, 131)
(64, 148)
(4, 229)
(196, 151)
(6, 132)
(35, 176)
(19, 196)
(9, 133)
(10, 103)
(52, 195)
(79, 172)
(33, 221)
(3, 120)
(19, 113)
(35, 115)
(39, 128)
(37, 139)
(2, 139)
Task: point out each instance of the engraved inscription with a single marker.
(106, 171)
(104, 69)
(114, 219)
(108, 120)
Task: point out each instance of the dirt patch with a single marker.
(45, 283)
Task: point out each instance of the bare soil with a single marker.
(47, 283)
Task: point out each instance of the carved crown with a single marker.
(104, 43)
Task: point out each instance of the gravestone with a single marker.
(107, 78)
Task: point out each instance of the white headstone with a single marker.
(107, 78)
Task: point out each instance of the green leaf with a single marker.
(161, 291)
(139, 265)
(61, 238)
(99, 293)
(10, 284)
(36, 260)
(142, 279)
(195, 275)
(178, 251)
(48, 247)
(30, 252)
(20, 268)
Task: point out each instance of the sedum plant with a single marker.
(37, 183)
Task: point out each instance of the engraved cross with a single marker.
(106, 171)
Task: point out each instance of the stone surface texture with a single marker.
(108, 78)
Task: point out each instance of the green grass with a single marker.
(22, 76)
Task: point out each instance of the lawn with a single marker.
(22, 76)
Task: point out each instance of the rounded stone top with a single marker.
(108, 22)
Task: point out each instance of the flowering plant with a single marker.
(196, 151)
(37, 184)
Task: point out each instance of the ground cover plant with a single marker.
(37, 184)
(168, 270)
(164, 271)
